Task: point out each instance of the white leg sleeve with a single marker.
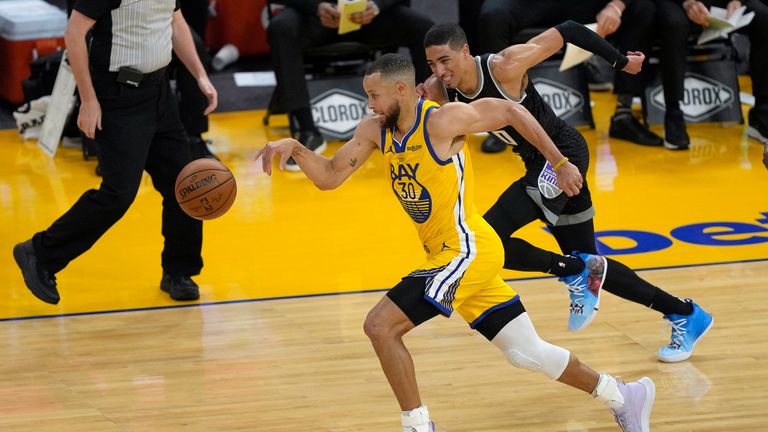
(523, 348)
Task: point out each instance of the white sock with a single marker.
(415, 420)
(607, 392)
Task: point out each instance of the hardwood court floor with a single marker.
(264, 350)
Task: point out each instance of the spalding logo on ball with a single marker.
(205, 189)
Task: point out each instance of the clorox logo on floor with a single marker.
(703, 97)
(337, 112)
(564, 100)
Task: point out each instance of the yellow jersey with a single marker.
(464, 254)
(436, 194)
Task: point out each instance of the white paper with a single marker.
(575, 55)
(720, 26)
(255, 79)
(62, 100)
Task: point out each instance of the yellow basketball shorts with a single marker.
(466, 278)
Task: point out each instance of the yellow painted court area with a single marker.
(283, 237)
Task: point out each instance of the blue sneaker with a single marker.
(584, 289)
(686, 331)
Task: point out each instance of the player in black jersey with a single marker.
(546, 191)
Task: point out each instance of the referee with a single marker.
(128, 108)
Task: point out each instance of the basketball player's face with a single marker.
(445, 64)
(382, 100)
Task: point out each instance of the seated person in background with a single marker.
(628, 22)
(676, 21)
(304, 24)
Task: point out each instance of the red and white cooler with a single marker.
(28, 29)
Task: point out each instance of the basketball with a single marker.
(205, 189)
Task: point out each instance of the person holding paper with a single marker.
(676, 21)
(627, 23)
(553, 189)
(304, 24)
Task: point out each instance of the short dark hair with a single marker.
(393, 67)
(446, 34)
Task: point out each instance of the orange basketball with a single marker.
(205, 189)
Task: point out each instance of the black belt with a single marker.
(153, 76)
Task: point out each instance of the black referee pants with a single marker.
(141, 131)
(501, 20)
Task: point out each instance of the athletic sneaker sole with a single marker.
(650, 389)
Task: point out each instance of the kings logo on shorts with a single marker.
(413, 196)
(548, 182)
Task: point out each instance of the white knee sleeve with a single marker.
(523, 348)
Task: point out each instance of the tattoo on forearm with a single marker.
(297, 151)
(353, 162)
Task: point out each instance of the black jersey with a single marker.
(557, 129)
(539, 176)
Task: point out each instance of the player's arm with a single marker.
(326, 173)
(433, 89)
(517, 59)
(489, 114)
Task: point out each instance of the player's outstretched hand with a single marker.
(284, 148)
(432, 89)
(635, 64)
(569, 179)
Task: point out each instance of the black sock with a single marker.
(624, 104)
(564, 265)
(669, 304)
(304, 119)
(625, 283)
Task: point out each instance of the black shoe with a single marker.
(757, 128)
(180, 287)
(493, 144)
(626, 127)
(675, 135)
(311, 140)
(38, 280)
(199, 149)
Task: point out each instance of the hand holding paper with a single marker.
(720, 25)
(346, 9)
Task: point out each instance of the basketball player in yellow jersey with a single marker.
(431, 175)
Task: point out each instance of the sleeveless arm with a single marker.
(325, 173)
